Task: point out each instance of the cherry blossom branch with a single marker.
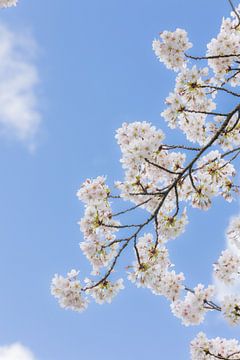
(231, 160)
(230, 152)
(102, 280)
(231, 77)
(161, 167)
(136, 250)
(156, 232)
(177, 201)
(170, 147)
(131, 208)
(216, 356)
(211, 305)
(159, 180)
(218, 88)
(188, 169)
(192, 180)
(211, 57)
(204, 112)
(215, 159)
(116, 241)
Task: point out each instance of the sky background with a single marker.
(91, 68)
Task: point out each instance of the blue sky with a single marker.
(96, 70)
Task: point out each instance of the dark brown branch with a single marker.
(218, 88)
(215, 159)
(211, 56)
(177, 201)
(114, 196)
(234, 125)
(119, 226)
(231, 160)
(162, 168)
(231, 77)
(146, 194)
(131, 208)
(114, 242)
(220, 357)
(109, 271)
(170, 147)
(136, 250)
(211, 305)
(156, 231)
(230, 152)
(192, 180)
(204, 112)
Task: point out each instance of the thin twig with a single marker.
(131, 208)
(162, 168)
(220, 89)
(211, 56)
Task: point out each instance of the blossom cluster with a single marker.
(68, 291)
(227, 268)
(193, 97)
(189, 104)
(170, 227)
(105, 291)
(224, 50)
(202, 348)
(149, 166)
(192, 309)
(230, 139)
(231, 309)
(97, 225)
(213, 178)
(170, 50)
(72, 295)
(151, 270)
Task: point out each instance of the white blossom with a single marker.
(226, 43)
(170, 50)
(68, 291)
(105, 291)
(227, 268)
(93, 192)
(192, 309)
(231, 309)
(188, 103)
(204, 349)
(230, 138)
(170, 227)
(151, 269)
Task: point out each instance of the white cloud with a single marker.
(19, 114)
(221, 289)
(15, 352)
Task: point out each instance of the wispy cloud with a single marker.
(15, 352)
(8, 3)
(221, 289)
(19, 114)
